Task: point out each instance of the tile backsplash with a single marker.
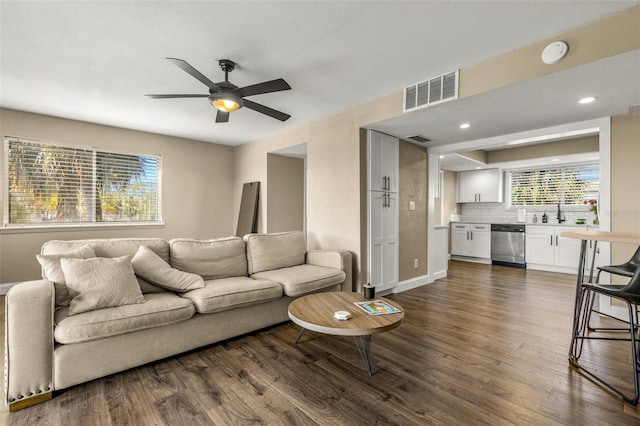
(496, 213)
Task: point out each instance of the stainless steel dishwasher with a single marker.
(507, 244)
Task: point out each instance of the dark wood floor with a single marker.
(487, 345)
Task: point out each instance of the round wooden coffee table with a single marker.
(315, 312)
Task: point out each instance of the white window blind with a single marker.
(49, 184)
(570, 185)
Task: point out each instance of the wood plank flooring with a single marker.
(486, 345)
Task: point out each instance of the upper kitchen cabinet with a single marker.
(480, 186)
(383, 162)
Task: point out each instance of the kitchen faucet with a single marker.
(560, 217)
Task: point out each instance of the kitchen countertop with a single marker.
(530, 223)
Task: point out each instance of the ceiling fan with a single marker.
(226, 96)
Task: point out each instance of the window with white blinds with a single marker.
(53, 184)
(569, 186)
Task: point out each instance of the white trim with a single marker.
(412, 283)
(539, 135)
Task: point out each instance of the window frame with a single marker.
(546, 207)
(93, 224)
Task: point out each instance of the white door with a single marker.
(376, 167)
(467, 187)
(489, 186)
(540, 249)
(567, 251)
(390, 153)
(480, 244)
(390, 251)
(383, 243)
(460, 242)
(376, 237)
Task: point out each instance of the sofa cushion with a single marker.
(158, 310)
(110, 247)
(113, 247)
(274, 251)
(302, 279)
(100, 282)
(52, 271)
(228, 293)
(152, 268)
(217, 258)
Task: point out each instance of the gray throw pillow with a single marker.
(151, 267)
(52, 271)
(101, 282)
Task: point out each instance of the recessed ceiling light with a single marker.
(478, 168)
(587, 100)
(442, 156)
(555, 159)
(465, 125)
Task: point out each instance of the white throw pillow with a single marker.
(151, 267)
(101, 282)
(52, 271)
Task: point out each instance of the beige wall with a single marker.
(333, 173)
(285, 193)
(625, 181)
(197, 186)
(572, 146)
(412, 228)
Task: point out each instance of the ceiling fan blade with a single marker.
(265, 87)
(222, 117)
(266, 110)
(176, 96)
(183, 65)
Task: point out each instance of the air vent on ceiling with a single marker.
(435, 90)
(419, 138)
(634, 108)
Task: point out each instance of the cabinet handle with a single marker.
(551, 243)
(479, 195)
(384, 183)
(471, 234)
(556, 240)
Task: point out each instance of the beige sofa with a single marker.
(247, 284)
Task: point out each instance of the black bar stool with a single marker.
(630, 295)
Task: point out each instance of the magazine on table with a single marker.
(377, 307)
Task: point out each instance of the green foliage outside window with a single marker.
(569, 186)
(53, 184)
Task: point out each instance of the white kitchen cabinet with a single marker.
(471, 240)
(383, 161)
(547, 250)
(539, 248)
(480, 186)
(382, 212)
(383, 240)
(460, 239)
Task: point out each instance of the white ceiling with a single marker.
(94, 61)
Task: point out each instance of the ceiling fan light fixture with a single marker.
(226, 102)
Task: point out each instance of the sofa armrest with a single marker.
(339, 259)
(28, 345)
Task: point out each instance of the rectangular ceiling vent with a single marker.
(419, 138)
(435, 90)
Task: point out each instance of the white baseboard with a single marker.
(438, 275)
(412, 283)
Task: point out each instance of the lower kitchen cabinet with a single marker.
(471, 240)
(547, 250)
